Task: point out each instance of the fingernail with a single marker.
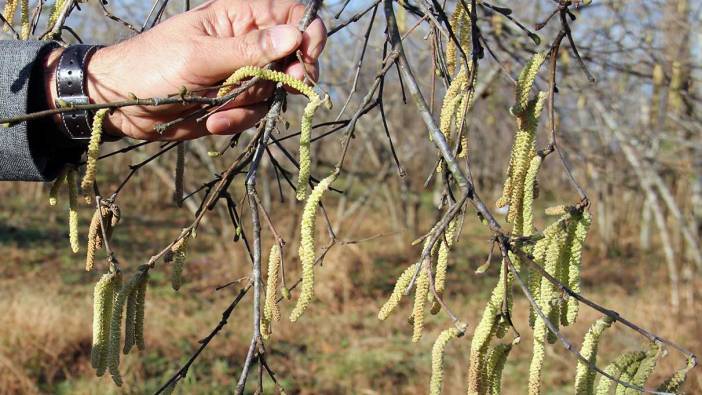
(283, 38)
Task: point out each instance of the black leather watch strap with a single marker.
(70, 86)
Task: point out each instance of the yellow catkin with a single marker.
(627, 376)
(584, 375)
(452, 100)
(451, 47)
(140, 307)
(58, 7)
(102, 313)
(437, 359)
(526, 81)
(555, 211)
(306, 124)
(648, 364)
(529, 187)
(574, 264)
(93, 151)
(496, 358)
(397, 292)
(442, 258)
(9, 13)
(481, 336)
(523, 151)
(675, 97)
(675, 382)
(25, 31)
(617, 368)
(307, 250)
(548, 296)
(420, 303)
(56, 186)
(180, 253)
(73, 210)
(271, 311)
(539, 254)
(113, 354)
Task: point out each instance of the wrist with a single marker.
(99, 81)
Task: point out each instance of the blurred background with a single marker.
(633, 139)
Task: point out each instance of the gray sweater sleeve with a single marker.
(29, 151)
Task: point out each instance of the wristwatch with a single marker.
(70, 88)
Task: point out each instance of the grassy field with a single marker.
(339, 347)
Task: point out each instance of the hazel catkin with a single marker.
(307, 247)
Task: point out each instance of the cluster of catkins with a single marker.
(110, 299)
(313, 198)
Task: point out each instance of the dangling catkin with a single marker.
(674, 383)
(420, 303)
(529, 185)
(73, 210)
(270, 307)
(397, 292)
(496, 358)
(576, 250)
(102, 314)
(53, 192)
(93, 152)
(180, 253)
(58, 7)
(482, 334)
(113, 354)
(437, 359)
(548, 296)
(140, 307)
(179, 175)
(307, 250)
(306, 124)
(585, 376)
(648, 364)
(617, 368)
(627, 376)
(9, 13)
(25, 31)
(526, 81)
(130, 321)
(442, 258)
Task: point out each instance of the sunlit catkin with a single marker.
(574, 264)
(584, 375)
(307, 250)
(617, 368)
(26, 29)
(102, 313)
(674, 383)
(482, 334)
(271, 311)
(627, 376)
(648, 364)
(58, 8)
(9, 13)
(73, 210)
(56, 186)
(548, 307)
(446, 243)
(180, 253)
(93, 151)
(303, 177)
(496, 358)
(113, 354)
(526, 81)
(420, 303)
(400, 285)
(437, 359)
(529, 187)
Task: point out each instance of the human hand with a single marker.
(195, 50)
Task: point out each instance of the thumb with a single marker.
(256, 48)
